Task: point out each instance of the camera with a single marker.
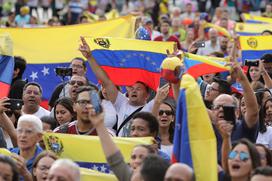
(250, 63)
(64, 71)
(15, 104)
(200, 44)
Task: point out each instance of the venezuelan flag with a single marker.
(248, 29)
(127, 61)
(47, 48)
(256, 19)
(194, 139)
(220, 29)
(254, 47)
(90, 155)
(6, 64)
(88, 174)
(197, 65)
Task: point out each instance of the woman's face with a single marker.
(63, 115)
(239, 162)
(254, 73)
(262, 154)
(42, 168)
(166, 116)
(268, 111)
(137, 156)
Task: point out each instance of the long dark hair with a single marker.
(268, 154)
(262, 115)
(68, 104)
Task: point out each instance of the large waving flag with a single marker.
(127, 61)
(194, 139)
(254, 47)
(256, 19)
(6, 64)
(51, 47)
(197, 65)
(90, 155)
(248, 29)
(220, 29)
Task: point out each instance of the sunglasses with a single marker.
(167, 112)
(243, 156)
(79, 83)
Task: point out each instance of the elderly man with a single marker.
(179, 171)
(212, 45)
(29, 133)
(32, 96)
(64, 169)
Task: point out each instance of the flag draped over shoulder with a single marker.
(47, 48)
(197, 65)
(248, 29)
(254, 47)
(256, 19)
(90, 155)
(194, 139)
(127, 61)
(6, 64)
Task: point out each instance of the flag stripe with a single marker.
(202, 69)
(253, 55)
(6, 74)
(4, 89)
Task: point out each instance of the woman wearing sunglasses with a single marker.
(242, 160)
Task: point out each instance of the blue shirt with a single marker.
(29, 163)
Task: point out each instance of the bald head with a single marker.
(213, 34)
(179, 171)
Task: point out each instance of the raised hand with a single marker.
(96, 119)
(84, 48)
(3, 103)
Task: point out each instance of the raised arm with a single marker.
(100, 74)
(265, 75)
(251, 116)
(161, 95)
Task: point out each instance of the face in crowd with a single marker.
(137, 94)
(77, 67)
(76, 82)
(32, 97)
(166, 116)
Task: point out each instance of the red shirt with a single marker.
(71, 128)
(171, 38)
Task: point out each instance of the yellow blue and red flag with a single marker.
(127, 61)
(194, 138)
(87, 150)
(254, 47)
(47, 48)
(249, 29)
(6, 64)
(197, 65)
(256, 19)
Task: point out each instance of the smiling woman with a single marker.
(242, 160)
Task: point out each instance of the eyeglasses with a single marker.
(79, 83)
(167, 112)
(243, 156)
(26, 131)
(83, 103)
(216, 107)
(210, 88)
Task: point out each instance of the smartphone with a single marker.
(254, 63)
(96, 101)
(15, 104)
(200, 44)
(229, 114)
(163, 82)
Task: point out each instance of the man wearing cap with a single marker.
(125, 106)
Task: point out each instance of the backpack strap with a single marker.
(127, 119)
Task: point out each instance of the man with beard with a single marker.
(83, 125)
(224, 45)
(32, 96)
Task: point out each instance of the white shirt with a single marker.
(110, 114)
(265, 138)
(168, 149)
(208, 49)
(40, 113)
(124, 109)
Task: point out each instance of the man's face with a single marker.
(222, 100)
(139, 128)
(213, 35)
(165, 28)
(188, 8)
(77, 67)
(6, 173)
(268, 67)
(224, 43)
(60, 173)
(27, 136)
(32, 96)
(76, 82)
(212, 92)
(83, 100)
(137, 94)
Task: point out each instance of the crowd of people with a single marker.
(244, 143)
